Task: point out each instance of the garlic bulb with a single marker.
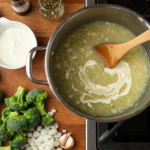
(66, 141)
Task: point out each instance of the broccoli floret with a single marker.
(15, 148)
(5, 113)
(17, 101)
(47, 120)
(5, 148)
(33, 117)
(37, 97)
(5, 134)
(18, 141)
(16, 122)
(1, 96)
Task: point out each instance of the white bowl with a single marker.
(6, 24)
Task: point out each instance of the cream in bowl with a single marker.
(16, 40)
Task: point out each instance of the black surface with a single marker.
(133, 134)
(140, 6)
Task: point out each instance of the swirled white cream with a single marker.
(15, 44)
(105, 93)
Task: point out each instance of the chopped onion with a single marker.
(29, 134)
(64, 131)
(45, 138)
(39, 128)
(52, 112)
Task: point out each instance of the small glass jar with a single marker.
(51, 9)
(20, 6)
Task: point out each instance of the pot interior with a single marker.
(111, 13)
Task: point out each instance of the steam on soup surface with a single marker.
(85, 82)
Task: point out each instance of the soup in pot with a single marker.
(83, 78)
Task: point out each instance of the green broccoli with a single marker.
(5, 113)
(37, 97)
(33, 117)
(5, 134)
(5, 148)
(18, 141)
(17, 101)
(15, 148)
(47, 120)
(1, 96)
(16, 122)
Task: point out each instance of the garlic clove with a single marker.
(69, 143)
(66, 141)
(63, 139)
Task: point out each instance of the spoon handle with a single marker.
(144, 37)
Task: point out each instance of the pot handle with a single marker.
(29, 65)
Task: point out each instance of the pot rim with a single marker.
(51, 84)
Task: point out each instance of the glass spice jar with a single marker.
(51, 9)
(20, 6)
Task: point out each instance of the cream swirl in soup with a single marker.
(109, 92)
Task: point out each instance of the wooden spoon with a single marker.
(114, 52)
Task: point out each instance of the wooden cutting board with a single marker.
(11, 79)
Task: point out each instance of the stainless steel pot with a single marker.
(112, 13)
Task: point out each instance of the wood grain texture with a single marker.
(11, 79)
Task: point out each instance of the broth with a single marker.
(84, 82)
